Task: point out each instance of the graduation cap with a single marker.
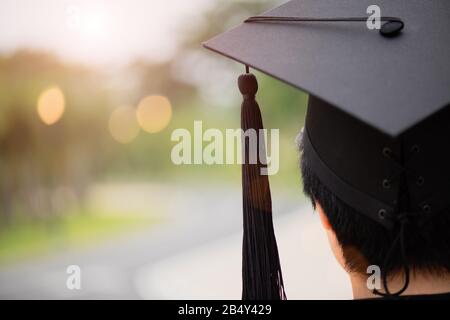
(377, 128)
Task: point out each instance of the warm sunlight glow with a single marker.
(101, 32)
(95, 25)
(123, 125)
(51, 105)
(154, 113)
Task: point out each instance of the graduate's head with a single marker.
(348, 169)
(358, 242)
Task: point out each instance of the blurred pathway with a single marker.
(195, 216)
(213, 270)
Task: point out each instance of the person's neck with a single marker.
(419, 284)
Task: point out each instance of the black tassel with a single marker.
(261, 271)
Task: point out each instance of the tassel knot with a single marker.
(248, 85)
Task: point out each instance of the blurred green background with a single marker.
(68, 128)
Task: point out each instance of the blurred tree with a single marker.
(36, 159)
(44, 169)
(156, 78)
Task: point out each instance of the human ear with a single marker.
(323, 218)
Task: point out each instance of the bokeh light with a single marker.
(154, 113)
(51, 105)
(123, 125)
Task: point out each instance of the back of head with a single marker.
(370, 185)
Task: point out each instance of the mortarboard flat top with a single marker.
(388, 83)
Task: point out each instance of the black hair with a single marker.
(365, 242)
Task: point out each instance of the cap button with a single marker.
(391, 28)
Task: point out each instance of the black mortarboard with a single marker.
(377, 126)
